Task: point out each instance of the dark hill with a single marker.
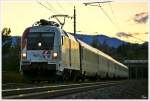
(101, 39)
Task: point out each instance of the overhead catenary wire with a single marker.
(51, 6)
(61, 7)
(102, 9)
(113, 14)
(45, 7)
(53, 10)
(118, 28)
(78, 25)
(118, 23)
(65, 10)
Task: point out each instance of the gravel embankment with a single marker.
(133, 89)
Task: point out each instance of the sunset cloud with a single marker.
(123, 34)
(141, 17)
(131, 35)
(127, 35)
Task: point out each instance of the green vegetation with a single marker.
(12, 77)
(132, 51)
(10, 59)
(125, 51)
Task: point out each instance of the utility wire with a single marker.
(62, 7)
(45, 7)
(98, 4)
(108, 17)
(114, 15)
(118, 23)
(51, 6)
(78, 23)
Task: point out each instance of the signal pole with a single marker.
(74, 20)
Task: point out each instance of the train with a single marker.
(50, 53)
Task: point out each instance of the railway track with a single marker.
(44, 92)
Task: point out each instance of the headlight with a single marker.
(55, 55)
(24, 55)
(39, 44)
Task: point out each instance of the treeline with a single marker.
(124, 51)
(10, 53)
(10, 58)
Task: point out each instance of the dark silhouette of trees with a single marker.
(6, 40)
(124, 51)
(5, 34)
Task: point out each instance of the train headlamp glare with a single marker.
(39, 44)
(24, 55)
(55, 55)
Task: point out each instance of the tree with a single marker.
(6, 39)
(95, 42)
(5, 33)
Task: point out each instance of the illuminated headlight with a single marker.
(39, 44)
(24, 55)
(55, 55)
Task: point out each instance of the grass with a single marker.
(12, 77)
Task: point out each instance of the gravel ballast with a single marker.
(132, 89)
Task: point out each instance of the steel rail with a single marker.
(53, 91)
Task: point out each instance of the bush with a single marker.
(12, 77)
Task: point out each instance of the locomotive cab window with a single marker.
(40, 41)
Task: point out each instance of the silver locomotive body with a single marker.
(49, 52)
(40, 51)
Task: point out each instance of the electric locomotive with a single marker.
(49, 53)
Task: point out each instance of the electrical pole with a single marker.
(74, 20)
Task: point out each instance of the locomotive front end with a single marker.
(40, 52)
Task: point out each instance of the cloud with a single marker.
(135, 35)
(139, 33)
(146, 33)
(123, 34)
(141, 17)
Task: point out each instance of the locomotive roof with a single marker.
(96, 51)
(46, 28)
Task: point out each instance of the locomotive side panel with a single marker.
(65, 52)
(75, 55)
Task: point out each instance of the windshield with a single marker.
(40, 41)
